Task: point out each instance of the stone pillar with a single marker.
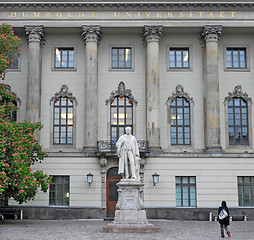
(211, 36)
(151, 37)
(91, 35)
(35, 36)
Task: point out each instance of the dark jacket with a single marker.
(224, 221)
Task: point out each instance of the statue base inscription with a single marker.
(130, 215)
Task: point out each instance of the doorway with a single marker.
(112, 195)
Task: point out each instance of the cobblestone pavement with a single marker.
(92, 230)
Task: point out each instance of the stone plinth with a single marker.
(130, 215)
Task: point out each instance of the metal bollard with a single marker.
(210, 216)
(245, 218)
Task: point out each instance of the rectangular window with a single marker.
(15, 62)
(186, 192)
(246, 191)
(179, 58)
(236, 58)
(64, 58)
(59, 191)
(121, 58)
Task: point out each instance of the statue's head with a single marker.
(128, 130)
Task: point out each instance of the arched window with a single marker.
(238, 117)
(121, 111)
(179, 115)
(63, 117)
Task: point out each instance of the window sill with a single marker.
(64, 69)
(121, 70)
(237, 70)
(179, 69)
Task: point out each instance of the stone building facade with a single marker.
(180, 73)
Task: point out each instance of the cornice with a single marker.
(156, 5)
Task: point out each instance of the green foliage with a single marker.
(9, 46)
(18, 147)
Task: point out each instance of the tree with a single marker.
(18, 147)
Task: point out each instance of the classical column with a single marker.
(91, 35)
(211, 36)
(151, 37)
(35, 36)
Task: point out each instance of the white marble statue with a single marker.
(128, 153)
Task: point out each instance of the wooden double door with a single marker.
(112, 195)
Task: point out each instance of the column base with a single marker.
(155, 149)
(214, 149)
(89, 149)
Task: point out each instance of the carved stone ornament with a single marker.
(152, 34)
(91, 33)
(210, 33)
(35, 33)
(8, 90)
(63, 93)
(121, 92)
(179, 93)
(238, 93)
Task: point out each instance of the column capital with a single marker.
(152, 33)
(35, 33)
(211, 33)
(91, 33)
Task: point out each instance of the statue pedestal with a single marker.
(130, 215)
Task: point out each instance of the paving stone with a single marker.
(92, 230)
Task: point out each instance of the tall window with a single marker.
(121, 58)
(180, 122)
(179, 58)
(236, 58)
(186, 192)
(121, 116)
(64, 58)
(63, 121)
(59, 191)
(246, 191)
(238, 121)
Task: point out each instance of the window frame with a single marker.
(18, 69)
(61, 46)
(120, 46)
(247, 57)
(179, 46)
(117, 126)
(179, 92)
(60, 125)
(63, 178)
(243, 185)
(238, 93)
(176, 125)
(234, 125)
(64, 91)
(189, 184)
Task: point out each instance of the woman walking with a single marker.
(223, 214)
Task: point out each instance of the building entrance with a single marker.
(112, 195)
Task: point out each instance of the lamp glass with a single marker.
(155, 178)
(89, 178)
